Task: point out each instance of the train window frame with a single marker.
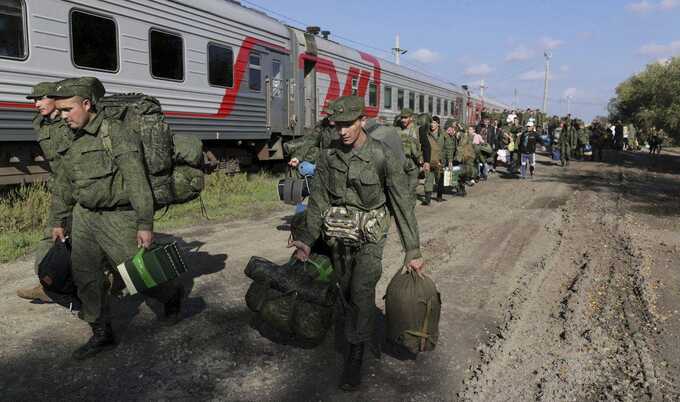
(26, 44)
(439, 106)
(167, 32)
(446, 107)
(252, 67)
(372, 94)
(70, 32)
(388, 96)
(430, 104)
(412, 100)
(400, 99)
(421, 103)
(231, 50)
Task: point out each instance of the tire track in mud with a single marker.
(578, 326)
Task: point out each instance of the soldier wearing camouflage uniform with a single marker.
(432, 144)
(412, 150)
(359, 177)
(112, 206)
(53, 136)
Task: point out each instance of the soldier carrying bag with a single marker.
(173, 162)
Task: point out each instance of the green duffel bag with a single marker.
(188, 182)
(412, 310)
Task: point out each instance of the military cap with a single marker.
(85, 87)
(346, 109)
(42, 89)
(406, 112)
(424, 119)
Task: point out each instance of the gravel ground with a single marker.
(564, 287)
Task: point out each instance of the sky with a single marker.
(595, 44)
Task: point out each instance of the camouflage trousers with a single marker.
(98, 237)
(412, 173)
(359, 273)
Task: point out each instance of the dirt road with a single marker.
(565, 287)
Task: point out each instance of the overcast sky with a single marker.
(595, 44)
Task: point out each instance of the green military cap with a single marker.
(346, 109)
(406, 112)
(42, 89)
(85, 87)
(329, 107)
(424, 119)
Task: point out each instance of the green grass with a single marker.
(23, 217)
(24, 210)
(224, 197)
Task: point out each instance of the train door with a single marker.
(277, 93)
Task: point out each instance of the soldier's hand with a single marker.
(303, 251)
(58, 233)
(417, 265)
(294, 162)
(144, 238)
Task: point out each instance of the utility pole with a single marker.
(515, 99)
(547, 55)
(568, 104)
(398, 51)
(482, 87)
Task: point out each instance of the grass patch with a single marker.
(225, 197)
(23, 216)
(24, 210)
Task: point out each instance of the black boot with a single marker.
(427, 199)
(461, 189)
(172, 309)
(351, 376)
(101, 340)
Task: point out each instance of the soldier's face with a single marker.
(405, 121)
(349, 132)
(75, 111)
(45, 106)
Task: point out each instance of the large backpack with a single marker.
(173, 162)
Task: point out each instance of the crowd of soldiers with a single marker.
(365, 174)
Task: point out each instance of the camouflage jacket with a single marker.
(102, 178)
(449, 149)
(54, 136)
(365, 179)
(411, 144)
(308, 147)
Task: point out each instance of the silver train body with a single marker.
(238, 79)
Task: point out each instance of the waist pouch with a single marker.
(355, 227)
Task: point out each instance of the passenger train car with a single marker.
(236, 78)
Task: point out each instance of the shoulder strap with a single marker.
(105, 135)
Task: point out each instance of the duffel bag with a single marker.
(412, 310)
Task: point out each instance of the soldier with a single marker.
(432, 144)
(112, 206)
(565, 142)
(53, 135)
(358, 177)
(450, 145)
(412, 151)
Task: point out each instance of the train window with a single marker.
(167, 55)
(220, 65)
(446, 107)
(94, 41)
(372, 94)
(12, 29)
(411, 100)
(355, 86)
(255, 72)
(421, 103)
(430, 104)
(439, 106)
(388, 98)
(400, 99)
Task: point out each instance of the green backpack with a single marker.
(173, 162)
